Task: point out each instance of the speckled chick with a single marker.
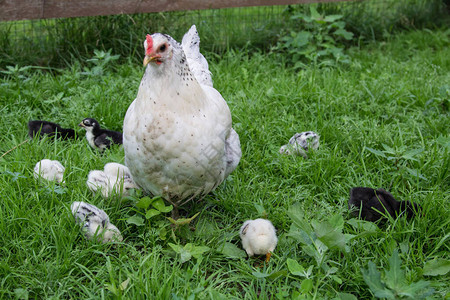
(258, 237)
(51, 170)
(95, 223)
(301, 143)
(178, 138)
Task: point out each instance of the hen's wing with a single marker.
(232, 151)
(196, 61)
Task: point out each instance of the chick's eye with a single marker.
(162, 48)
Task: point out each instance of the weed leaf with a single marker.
(232, 251)
(136, 220)
(395, 276)
(144, 202)
(436, 267)
(376, 152)
(372, 277)
(295, 268)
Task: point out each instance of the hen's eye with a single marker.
(162, 48)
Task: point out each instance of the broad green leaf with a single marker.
(372, 277)
(260, 275)
(332, 237)
(136, 220)
(416, 290)
(232, 251)
(332, 18)
(196, 251)
(395, 277)
(314, 13)
(306, 286)
(336, 278)
(182, 221)
(416, 173)
(185, 255)
(144, 202)
(346, 296)
(388, 149)
(151, 213)
(363, 225)
(337, 221)
(436, 267)
(159, 205)
(344, 33)
(376, 152)
(295, 268)
(410, 154)
(295, 212)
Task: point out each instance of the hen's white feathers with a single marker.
(258, 237)
(196, 61)
(51, 170)
(178, 139)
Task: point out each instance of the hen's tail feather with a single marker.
(196, 61)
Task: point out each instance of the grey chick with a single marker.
(301, 143)
(95, 222)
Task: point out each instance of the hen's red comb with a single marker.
(149, 45)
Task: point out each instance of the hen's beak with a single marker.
(81, 124)
(150, 58)
(147, 59)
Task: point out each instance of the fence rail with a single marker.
(44, 9)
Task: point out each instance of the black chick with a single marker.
(100, 138)
(40, 128)
(366, 202)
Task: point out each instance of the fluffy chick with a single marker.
(258, 237)
(114, 179)
(51, 170)
(99, 138)
(301, 143)
(95, 222)
(371, 204)
(40, 128)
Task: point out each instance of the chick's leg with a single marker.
(268, 256)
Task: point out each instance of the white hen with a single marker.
(178, 139)
(258, 237)
(51, 170)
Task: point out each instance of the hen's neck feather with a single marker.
(170, 85)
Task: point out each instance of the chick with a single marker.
(371, 204)
(40, 128)
(51, 170)
(95, 222)
(300, 143)
(258, 237)
(114, 179)
(116, 169)
(98, 138)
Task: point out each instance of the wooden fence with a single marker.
(44, 9)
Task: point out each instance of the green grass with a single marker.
(394, 93)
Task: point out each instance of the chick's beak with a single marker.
(81, 124)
